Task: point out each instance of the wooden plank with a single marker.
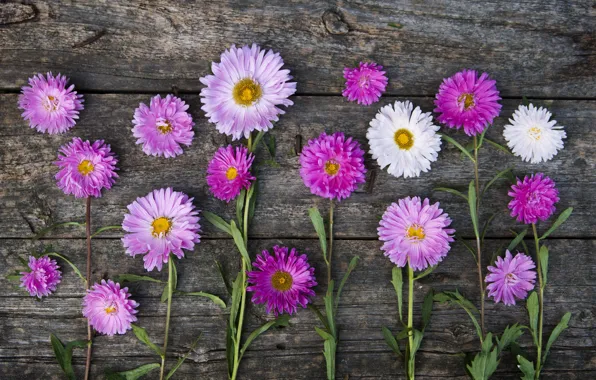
(31, 201)
(534, 48)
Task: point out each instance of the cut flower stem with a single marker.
(168, 312)
(88, 284)
(540, 302)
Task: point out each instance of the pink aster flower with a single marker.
(229, 172)
(464, 100)
(245, 90)
(162, 222)
(415, 231)
(332, 166)
(511, 278)
(48, 105)
(163, 126)
(533, 198)
(109, 309)
(364, 83)
(85, 168)
(43, 277)
(281, 281)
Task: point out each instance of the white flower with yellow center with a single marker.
(403, 138)
(532, 136)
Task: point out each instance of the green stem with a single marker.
(330, 250)
(87, 285)
(478, 242)
(540, 303)
(168, 312)
(411, 360)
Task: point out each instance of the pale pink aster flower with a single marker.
(534, 198)
(415, 231)
(511, 278)
(282, 281)
(229, 172)
(245, 90)
(365, 83)
(163, 126)
(332, 166)
(85, 168)
(49, 105)
(468, 101)
(162, 222)
(109, 309)
(43, 277)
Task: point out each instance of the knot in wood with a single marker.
(334, 23)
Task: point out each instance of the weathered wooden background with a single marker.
(121, 53)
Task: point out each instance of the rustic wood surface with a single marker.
(121, 53)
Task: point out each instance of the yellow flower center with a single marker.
(281, 281)
(161, 226)
(246, 92)
(231, 173)
(535, 133)
(164, 127)
(415, 232)
(111, 309)
(404, 139)
(51, 103)
(331, 167)
(467, 99)
(85, 167)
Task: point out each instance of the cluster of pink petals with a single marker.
(43, 277)
(163, 126)
(109, 309)
(511, 278)
(534, 198)
(344, 154)
(365, 83)
(230, 162)
(85, 168)
(49, 105)
(468, 101)
(298, 271)
(415, 232)
(183, 232)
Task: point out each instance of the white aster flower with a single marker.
(531, 136)
(405, 140)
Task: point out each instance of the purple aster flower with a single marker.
(109, 309)
(464, 100)
(282, 281)
(163, 126)
(364, 83)
(415, 231)
(229, 172)
(511, 278)
(332, 166)
(43, 277)
(245, 90)
(162, 222)
(48, 105)
(533, 198)
(85, 168)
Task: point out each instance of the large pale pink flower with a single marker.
(511, 278)
(534, 198)
(109, 309)
(43, 277)
(229, 172)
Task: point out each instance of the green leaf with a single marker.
(133, 374)
(527, 368)
(58, 348)
(509, 336)
(74, 267)
(142, 335)
(103, 229)
(240, 207)
(237, 287)
(165, 293)
(472, 205)
(329, 308)
(481, 139)
(390, 340)
(239, 240)
(317, 222)
(252, 195)
(351, 267)
(561, 326)
(485, 362)
(398, 285)
(182, 359)
(64, 354)
(458, 299)
(427, 308)
(317, 312)
(16, 276)
(216, 300)
(329, 348)
(499, 146)
(494, 179)
(560, 220)
(323, 334)
(451, 191)
(412, 355)
(457, 145)
(543, 257)
(222, 273)
(426, 272)
(470, 249)
(486, 225)
(525, 101)
(126, 277)
(282, 320)
(395, 25)
(44, 231)
(256, 141)
(217, 221)
(532, 307)
(518, 239)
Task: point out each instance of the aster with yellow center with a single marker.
(466, 101)
(161, 226)
(247, 92)
(415, 232)
(331, 167)
(85, 167)
(404, 139)
(229, 172)
(109, 309)
(164, 127)
(281, 281)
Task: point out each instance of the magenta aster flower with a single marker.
(464, 100)
(162, 222)
(48, 105)
(163, 126)
(245, 90)
(364, 83)
(282, 281)
(415, 231)
(85, 168)
(109, 309)
(533, 198)
(229, 172)
(43, 277)
(332, 166)
(511, 278)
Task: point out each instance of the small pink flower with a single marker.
(511, 278)
(229, 172)
(364, 83)
(534, 198)
(109, 309)
(43, 277)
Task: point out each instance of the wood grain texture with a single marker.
(533, 48)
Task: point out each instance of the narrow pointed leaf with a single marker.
(451, 191)
(500, 174)
(217, 221)
(58, 348)
(222, 273)
(518, 239)
(236, 296)
(165, 293)
(45, 231)
(133, 374)
(560, 220)
(472, 205)
(532, 307)
(426, 272)
(398, 285)
(104, 229)
(239, 240)
(182, 359)
(319, 315)
(282, 320)
(561, 326)
(317, 222)
(323, 334)
(351, 267)
(427, 309)
(240, 207)
(457, 145)
(74, 267)
(486, 225)
(329, 308)
(543, 257)
(390, 340)
(469, 248)
(499, 147)
(215, 299)
(142, 335)
(126, 277)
